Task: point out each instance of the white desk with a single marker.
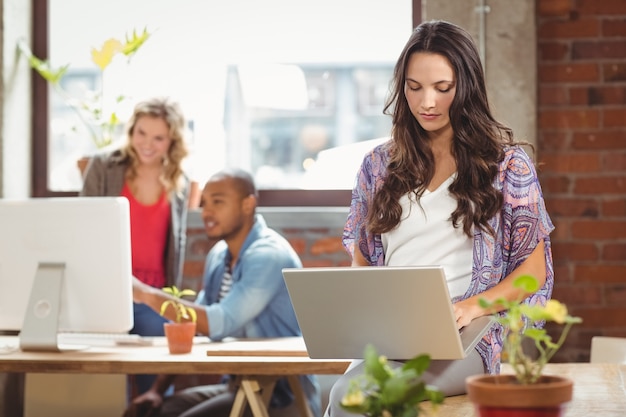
(257, 363)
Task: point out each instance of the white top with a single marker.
(425, 236)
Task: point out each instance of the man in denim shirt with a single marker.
(244, 295)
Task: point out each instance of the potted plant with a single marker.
(385, 392)
(181, 331)
(97, 111)
(526, 392)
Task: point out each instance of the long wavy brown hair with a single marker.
(170, 111)
(478, 143)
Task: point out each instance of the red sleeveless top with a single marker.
(149, 226)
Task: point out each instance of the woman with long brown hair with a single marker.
(452, 188)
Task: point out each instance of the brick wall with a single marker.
(582, 146)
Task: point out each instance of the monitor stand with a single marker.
(41, 321)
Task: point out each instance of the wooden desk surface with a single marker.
(281, 356)
(598, 391)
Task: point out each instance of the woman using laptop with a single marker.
(453, 188)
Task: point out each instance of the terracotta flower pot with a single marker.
(502, 396)
(82, 163)
(180, 336)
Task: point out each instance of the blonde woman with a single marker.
(147, 171)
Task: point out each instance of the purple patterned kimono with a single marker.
(521, 225)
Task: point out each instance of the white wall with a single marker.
(15, 127)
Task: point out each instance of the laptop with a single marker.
(401, 311)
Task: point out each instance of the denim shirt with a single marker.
(258, 304)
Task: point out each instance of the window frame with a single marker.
(40, 126)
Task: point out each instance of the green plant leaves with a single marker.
(517, 318)
(419, 364)
(183, 312)
(134, 42)
(386, 391)
(375, 365)
(527, 283)
(42, 67)
(90, 109)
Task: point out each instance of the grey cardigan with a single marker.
(105, 177)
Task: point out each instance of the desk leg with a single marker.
(240, 404)
(256, 391)
(268, 383)
(301, 401)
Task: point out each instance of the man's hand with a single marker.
(155, 297)
(145, 405)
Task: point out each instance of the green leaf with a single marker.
(534, 312)
(419, 363)
(573, 320)
(114, 120)
(173, 290)
(165, 305)
(415, 391)
(434, 395)
(182, 311)
(135, 42)
(191, 314)
(397, 387)
(375, 365)
(388, 391)
(186, 293)
(42, 67)
(536, 334)
(527, 283)
(484, 303)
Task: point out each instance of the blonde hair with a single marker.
(170, 112)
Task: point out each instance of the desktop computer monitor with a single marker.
(65, 266)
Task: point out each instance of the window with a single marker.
(276, 87)
(328, 107)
